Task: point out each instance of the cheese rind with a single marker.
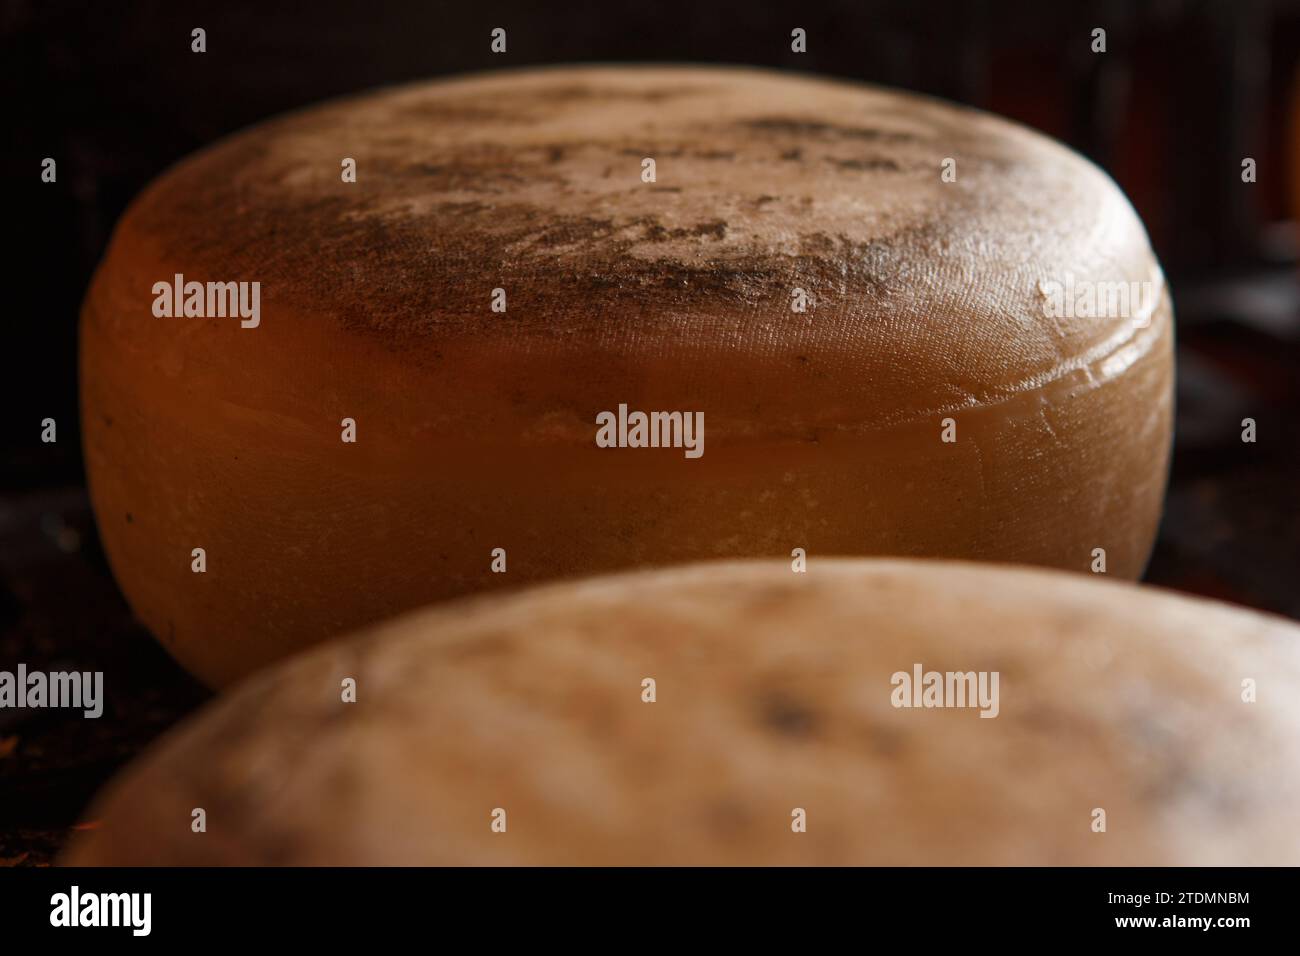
(476, 429)
(772, 691)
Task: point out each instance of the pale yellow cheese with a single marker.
(1129, 726)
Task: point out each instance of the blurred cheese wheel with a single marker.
(476, 430)
(774, 693)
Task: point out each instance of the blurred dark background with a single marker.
(1184, 93)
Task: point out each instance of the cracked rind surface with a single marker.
(476, 429)
(773, 692)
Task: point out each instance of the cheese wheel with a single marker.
(928, 400)
(774, 692)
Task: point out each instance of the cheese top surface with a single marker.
(925, 296)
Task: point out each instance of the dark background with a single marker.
(1184, 92)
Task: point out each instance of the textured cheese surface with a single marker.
(476, 429)
(773, 692)
(531, 181)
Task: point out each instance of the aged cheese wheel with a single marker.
(773, 692)
(930, 314)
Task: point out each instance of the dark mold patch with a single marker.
(655, 231)
(787, 717)
(575, 93)
(873, 164)
(401, 259)
(815, 129)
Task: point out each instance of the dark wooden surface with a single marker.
(61, 610)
